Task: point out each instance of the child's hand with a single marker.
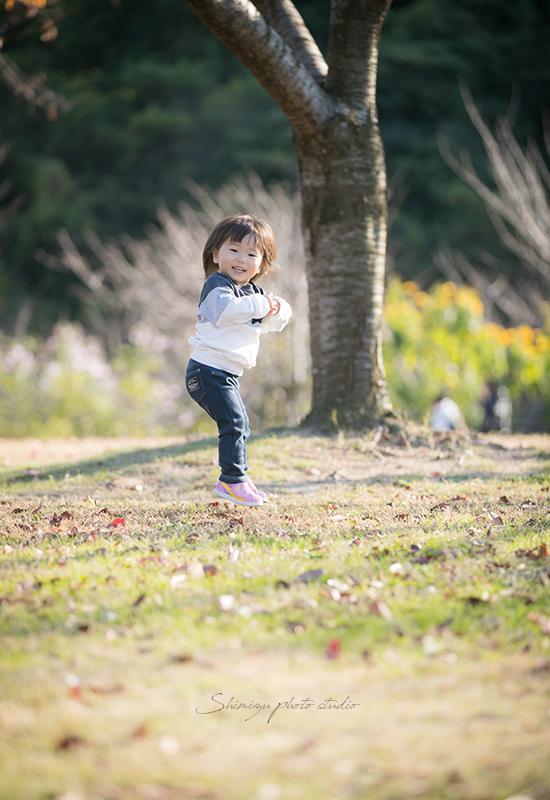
(275, 306)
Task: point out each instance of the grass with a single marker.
(159, 644)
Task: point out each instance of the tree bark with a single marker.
(332, 109)
(343, 184)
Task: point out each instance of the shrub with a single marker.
(65, 386)
(437, 342)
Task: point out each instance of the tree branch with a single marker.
(284, 17)
(241, 27)
(518, 206)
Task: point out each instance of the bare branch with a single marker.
(32, 88)
(518, 205)
(284, 17)
(240, 26)
(519, 305)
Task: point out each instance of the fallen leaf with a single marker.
(70, 743)
(542, 621)
(333, 649)
(117, 521)
(296, 627)
(310, 575)
(381, 608)
(139, 600)
(181, 658)
(536, 553)
(226, 602)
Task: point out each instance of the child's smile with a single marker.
(240, 260)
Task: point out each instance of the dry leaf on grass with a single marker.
(381, 608)
(310, 575)
(542, 621)
(70, 742)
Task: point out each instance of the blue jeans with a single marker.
(217, 392)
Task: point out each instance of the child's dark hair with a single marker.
(236, 228)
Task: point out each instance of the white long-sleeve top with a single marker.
(230, 320)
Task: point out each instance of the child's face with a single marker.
(240, 260)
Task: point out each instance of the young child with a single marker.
(233, 312)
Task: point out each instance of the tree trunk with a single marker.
(343, 182)
(332, 109)
(343, 185)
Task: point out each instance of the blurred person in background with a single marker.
(446, 415)
(497, 406)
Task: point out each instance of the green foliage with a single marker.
(437, 342)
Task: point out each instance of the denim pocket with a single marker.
(195, 385)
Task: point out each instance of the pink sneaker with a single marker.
(263, 495)
(241, 493)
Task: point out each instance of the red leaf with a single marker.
(333, 648)
(538, 552)
(117, 521)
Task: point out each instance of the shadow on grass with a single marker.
(110, 462)
(123, 459)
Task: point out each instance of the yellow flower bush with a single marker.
(437, 342)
